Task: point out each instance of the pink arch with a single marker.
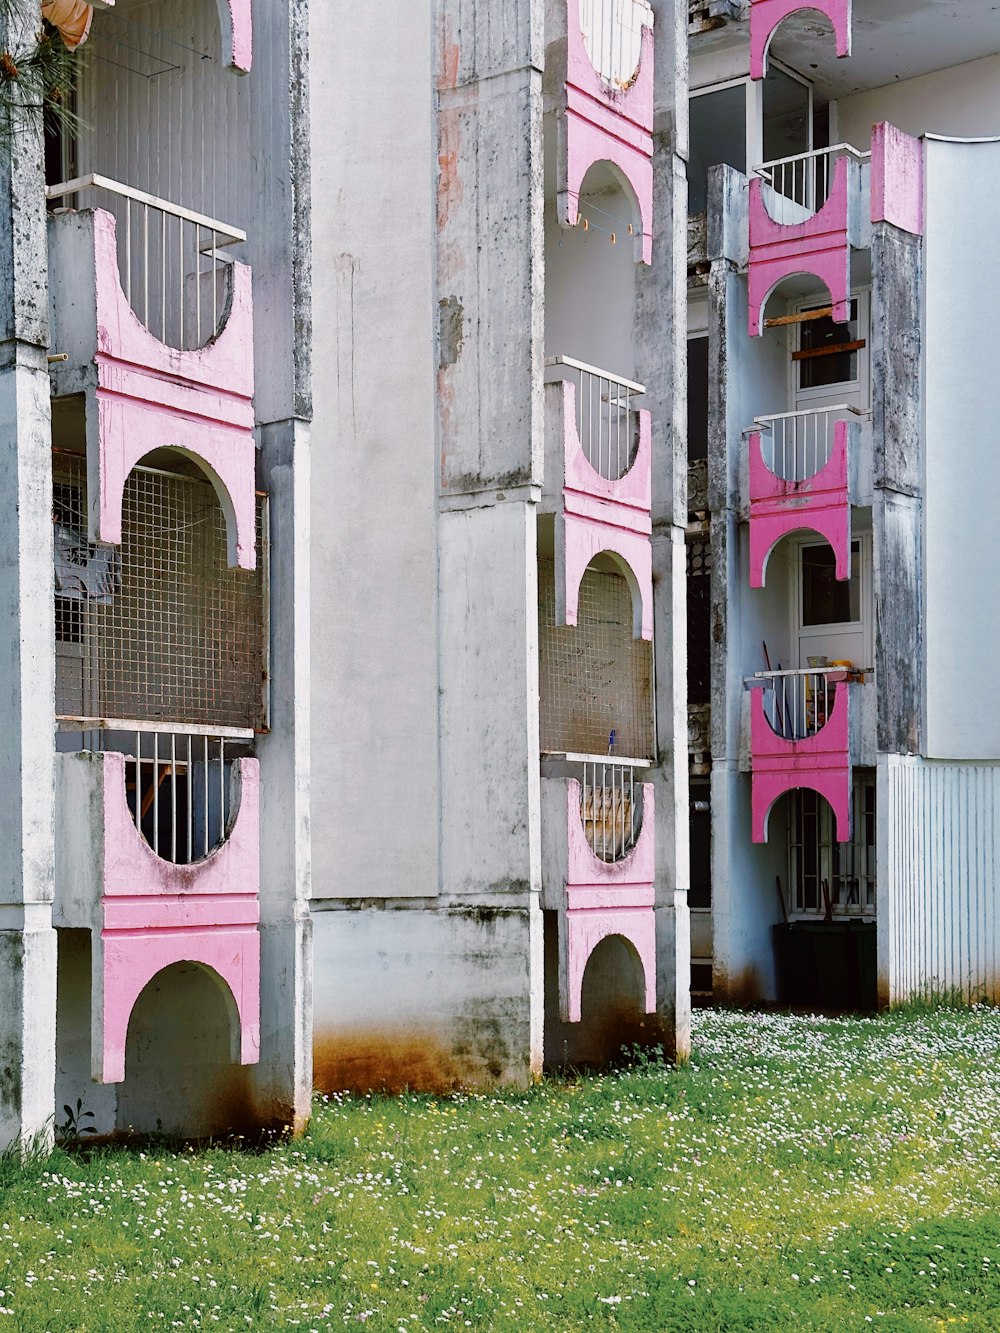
(821, 763)
(820, 504)
(821, 245)
(579, 544)
(766, 16)
(585, 931)
(151, 396)
(586, 145)
(155, 914)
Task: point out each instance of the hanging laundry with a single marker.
(84, 572)
(71, 17)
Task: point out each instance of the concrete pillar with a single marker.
(27, 940)
(661, 359)
(283, 1078)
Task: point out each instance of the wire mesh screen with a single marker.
(594, 678)
(699, 621)
(160, 629)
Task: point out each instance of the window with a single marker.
(697, 399)
(826, 600)
(847, 869)
(828, 352)
(718, 134)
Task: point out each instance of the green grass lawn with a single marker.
(799, 1174)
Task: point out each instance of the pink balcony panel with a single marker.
(236, 21)
(607, 898)
(634, 102)
(630, 495)
(820, 503)
(766, 16)
(155, 914)
(581, 540)
(820, 763)
(897, 179)
(593, 134)
(144, 395)
(821, 246)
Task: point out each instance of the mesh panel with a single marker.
(162, 628)
(594, 678)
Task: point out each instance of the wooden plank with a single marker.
(803, 318)
(833, 350)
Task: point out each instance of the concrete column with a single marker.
(27, 940)
(661, 360)
(283, 1078)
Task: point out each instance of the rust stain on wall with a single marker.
(379, 1060)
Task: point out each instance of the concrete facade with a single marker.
(845, 432)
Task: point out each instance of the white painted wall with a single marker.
(961, 593)
(962, 101)
(374, 663)
(938, 919)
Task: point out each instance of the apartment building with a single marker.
(499, 829)
(155, 957)
(844, 743)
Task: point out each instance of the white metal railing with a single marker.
(182, 786)
(172, 261)
(606, 418)
(798, 704)
(797, 445)
(610, 808)
(805, 178)
(612, 33)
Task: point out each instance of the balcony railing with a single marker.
(797, 445)
(798, 704)
(610, 808)
(182, 787)
(612, 33)
(607, 421)
(805, 179)
(172, 260)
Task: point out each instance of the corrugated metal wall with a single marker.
(937, 909)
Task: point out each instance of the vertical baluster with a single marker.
(604, 813)
(156, 792)
(173, 798)
(222, 787)
(204, 837)
(128, 250)
(138, 782)
(180, 275)
(215, 295)
(163, 277)
(145, 263)
(190, 803)
(197, 284)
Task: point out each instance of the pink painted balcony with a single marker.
(766, 16)
(598, 482)
(604, 111)
(599, 870)
(807, 214)
(800, 736)
(156, 326)
(158, 856)
(800, 478)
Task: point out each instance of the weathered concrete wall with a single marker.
(961, 600)
(27, 941)
(432, 996)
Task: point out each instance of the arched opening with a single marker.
(160, 650)
(590, 274)
(595, 678)
(612, 34)
(613, 1004)
(806, 23)
(182, 1074)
